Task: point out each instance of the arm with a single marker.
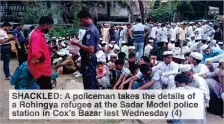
(119, 81)
(147, 31)
(15, 34)
(216, 58)
(130, 84)
(37, 52)
(147, 85)
(89, 48)
(131, 33)
(133, 78)
(6, 40)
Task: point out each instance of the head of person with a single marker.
(187, 70)
(131, 57)
(198, 25)
(45, 24)
(84, 18)
(134, 69)
(6, 26)
(128, 25)
(26, 45)
(182, 80)
(53, 42)
(131, 49)
(54, 49)
(173, 25)
(121, 55)
(187, 56)
(19, 26)
(49, 43)
(145, 70)
(148, 20)
(150, 41)
(167, 55)
(116, 50)
(163, 25)
(160, 44)
(113, 58)
(206, 49)
(110, 47)
(32, 27)
(100, 66)
(203, 22)
(113, 42)
(221, 64)
(195, 58)
(119, 64)
(138, 20)
(112, 27)
(144, 60)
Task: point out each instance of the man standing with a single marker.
(88, 50)
(5, 48)
(17, 32)
(138, 34)
(39, 59)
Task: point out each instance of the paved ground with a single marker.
(66, 82)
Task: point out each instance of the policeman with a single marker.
(88, 50)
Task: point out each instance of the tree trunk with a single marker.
(141, 6)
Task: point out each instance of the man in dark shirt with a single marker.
(112, 33)
(17, 32)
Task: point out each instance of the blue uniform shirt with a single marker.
(91, 37)
(18, 33)
(213, 52)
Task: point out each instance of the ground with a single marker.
(67, 82)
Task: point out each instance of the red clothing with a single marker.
(38, 48)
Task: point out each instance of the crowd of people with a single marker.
(132, 56)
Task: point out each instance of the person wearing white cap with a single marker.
(111, 63)
(216, 85)
(197, 67)
(208, 52)
(198, 33)
(148, 47)
(158, 37)
(105, 32)
(190, 31)
(215, 59)
(109, 51)
(163, 33)
(214, 44)
(67, 63)
(196, 81)
(153, 34)
(205, 27)
(173, 35)
(167, 70)
(101, 57)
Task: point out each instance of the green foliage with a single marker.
(33, 12)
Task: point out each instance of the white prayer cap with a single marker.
(150, 41)
(53, 38)
(196, 55)
(172, 23)
(123, 41)
(61, 53)
(203, 20)
(101, 38)
(214, 41)
(159, 24)
(205, 46)
(208, 39)
(113, 55)
(210, 23)
(191, 23)
(220, 43)
(63, 38)
(116, 47)
(192, 35)
(113, 41)
(59, 37)
(131, 47)
(199, 23)
(63, 44)
(194, 26)
(184, 68)
(111, 46)
(189, 44)
(167, 53)
(221, 60)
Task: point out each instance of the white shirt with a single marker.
(81, 33)
(101, 57)
(3, 35)
(158, 37)
(147, 50)
(199, 82)
(167, 70)
(153, 32)
(164, 34)
(200, 69)
(198, 33)
(125, 70)
(190, 32)
(204, 30)
(173, 35)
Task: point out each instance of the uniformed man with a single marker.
(88, 50)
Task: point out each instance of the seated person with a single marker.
(187, 58)
(120, 70)
(122, 55)
(134, 71)
(102, 75)
(131, 60)
(111, 64)
(146, 79)
(67, 63)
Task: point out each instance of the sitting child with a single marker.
(102, 76)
